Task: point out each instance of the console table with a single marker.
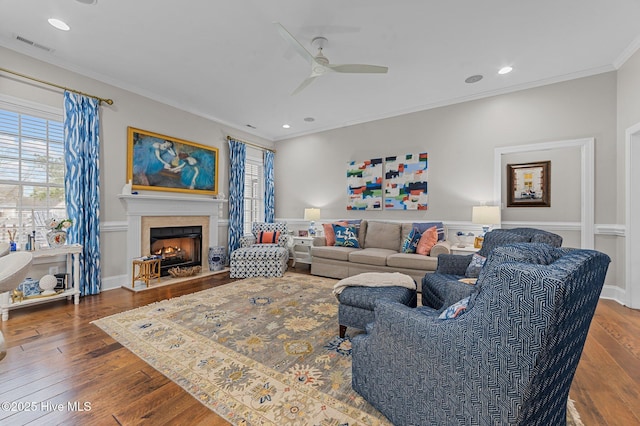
(72, 252)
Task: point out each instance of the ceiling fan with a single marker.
(319, 63)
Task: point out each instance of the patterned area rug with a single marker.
(261, 351)
(258, 351)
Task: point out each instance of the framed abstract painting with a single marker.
(364, 185)
(406, 182)
(164, 163)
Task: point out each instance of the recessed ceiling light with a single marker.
(309, 119)
(473, 79)
(61, 25)
(87, 1)
(286, 126)
(505, 70)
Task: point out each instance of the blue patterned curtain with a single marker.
(269, 188)
(237, 155)
(82, 184)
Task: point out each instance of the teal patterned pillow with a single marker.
(346, 236)
(456, 309)
(410, 243)
(474, 268)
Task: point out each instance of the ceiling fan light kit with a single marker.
(320, 64)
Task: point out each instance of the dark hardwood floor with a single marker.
(56, 358)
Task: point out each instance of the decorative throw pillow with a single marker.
(456, 309)
(428, 239)
(423, 226)
(346, 236)
(474, 268)
(410, 244)
(329, 235)
(268, 237)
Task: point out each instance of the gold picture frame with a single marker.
(529, 184)
(163, 163)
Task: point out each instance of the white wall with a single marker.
(129, 109)
(460, 140)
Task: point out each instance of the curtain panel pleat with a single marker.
(82, 184)
(237, 155)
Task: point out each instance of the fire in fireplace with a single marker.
(177, 245)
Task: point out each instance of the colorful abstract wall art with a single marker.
(364, 185)
(406, 182)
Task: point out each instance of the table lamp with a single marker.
(312, 214)
(485, 216)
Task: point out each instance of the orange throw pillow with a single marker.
(268, 237)
(329, 234)
(427, 241)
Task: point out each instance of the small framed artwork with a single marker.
(528, 184)
(163, 163)
(302, 233)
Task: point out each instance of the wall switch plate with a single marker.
(53, 270)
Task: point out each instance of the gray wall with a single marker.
(460, 140)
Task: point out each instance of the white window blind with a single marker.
(253, 193)
(31, 172)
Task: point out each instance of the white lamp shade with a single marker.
(312, 214)
(486, 215)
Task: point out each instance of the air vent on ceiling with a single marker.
(34, 44)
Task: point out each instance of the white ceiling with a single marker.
(224, 59)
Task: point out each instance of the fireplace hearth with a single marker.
(177, 245)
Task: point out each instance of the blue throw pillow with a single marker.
(455, 310)
(474, 268)
(410, 243)
(346, 236)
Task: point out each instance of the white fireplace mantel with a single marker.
(142, 205)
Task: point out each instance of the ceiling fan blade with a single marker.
(358, 68)
(304, 84)
(294, 43)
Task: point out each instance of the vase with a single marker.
(217, 258)
(56, 238)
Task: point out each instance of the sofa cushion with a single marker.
(428, 239)
(346, 236)
(412, 261)
(475, 266)
(423, 226)
(332, 252)
(329, 234)
(384, 235)
(371, 256)
(410, 243)
(268, 237)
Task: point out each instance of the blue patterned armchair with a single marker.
(509, 358)
(259, 259)
(442, 288)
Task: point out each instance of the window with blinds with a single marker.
(253, 193)
(31, 174)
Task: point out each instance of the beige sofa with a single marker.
(381, 251)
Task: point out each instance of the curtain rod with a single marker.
(264, 148)
(107, 101)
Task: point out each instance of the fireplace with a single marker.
(179, 246)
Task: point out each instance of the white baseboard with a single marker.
(614, 293)
(109, 283)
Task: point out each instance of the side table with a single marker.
(148, 269)
(304, 255)
(466, 250)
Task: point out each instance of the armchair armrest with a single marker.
(453, 264)
(247, 241)
(441, 247)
